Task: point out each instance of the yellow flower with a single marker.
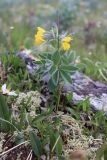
(39, 36)
(66, 43)
(66, 46)
(67, 39)
(39, 40)
(40, 30)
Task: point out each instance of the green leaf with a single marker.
(59, 144)
(51, 85)
(36, 144)
(65, 76)
(69, 68)
(42, 117)
(86, 105)
(69, 97)
(55, 78)
(102, 152)
(56, 143)
(52, 69)
(56, 58)
(73, 113)
(4, 114)
(53, 82)
(105, 153)
(26, 75)
(19, 138)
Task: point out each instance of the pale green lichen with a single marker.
(31, 100)
(75, 140)
(2, 140)
(19, 156)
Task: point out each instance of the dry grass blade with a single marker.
(6, 152)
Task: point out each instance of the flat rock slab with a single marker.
(82, 86)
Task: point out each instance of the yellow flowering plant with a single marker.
(59, 63)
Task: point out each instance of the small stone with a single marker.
(78, 155)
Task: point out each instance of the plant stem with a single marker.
(58, 99)
(58, 85)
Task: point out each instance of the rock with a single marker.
(82, 86)
(78, 155)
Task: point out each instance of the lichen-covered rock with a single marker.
(83, 87)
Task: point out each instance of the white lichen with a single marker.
(75, 140)
(30, 100)
(2, 140)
